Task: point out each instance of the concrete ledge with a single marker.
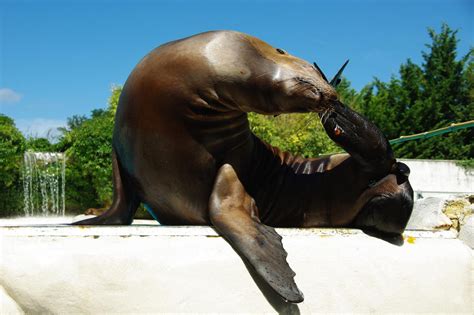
(151, 269)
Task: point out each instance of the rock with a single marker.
(466, 234)
(428, 215)
(457, 210)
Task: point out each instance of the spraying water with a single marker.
(44, 183)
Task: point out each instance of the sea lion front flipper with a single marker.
(235, 216)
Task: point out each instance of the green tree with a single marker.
(12, 147)
(444, 97)
(381, 104)
(426, 97)
(348, 95)
(411, 83)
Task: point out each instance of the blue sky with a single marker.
(60, 58)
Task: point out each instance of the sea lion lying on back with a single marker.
(183, 147)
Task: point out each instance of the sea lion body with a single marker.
(182, 114)
(182, 146)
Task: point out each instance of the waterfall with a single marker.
(44, 183)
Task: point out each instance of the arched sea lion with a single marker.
(182, 146)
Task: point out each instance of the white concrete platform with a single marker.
(156, 269)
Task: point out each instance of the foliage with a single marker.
(467, 164)
(89, 162)
(114, 98)
(12, 147)
(348, 95)
(300, 134)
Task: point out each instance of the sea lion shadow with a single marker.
(394, 239)
(276, 301)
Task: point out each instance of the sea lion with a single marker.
(182, 146)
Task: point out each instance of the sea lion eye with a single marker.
(281, 51)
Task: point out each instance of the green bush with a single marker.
(12, 147)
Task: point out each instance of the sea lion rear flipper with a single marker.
(235, 216)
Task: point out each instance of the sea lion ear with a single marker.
(337, 78)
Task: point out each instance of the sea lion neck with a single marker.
(215, 123)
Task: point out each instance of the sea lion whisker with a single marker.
(321, 115)
(296, 84)
(283, 80)
(325, 115)
(324, 118)
(328, 114)
(305, 87)
(300, 83)
(263, 74)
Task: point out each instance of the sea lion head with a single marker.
(265, 79)
(387, 213)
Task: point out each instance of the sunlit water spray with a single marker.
(44, 183)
